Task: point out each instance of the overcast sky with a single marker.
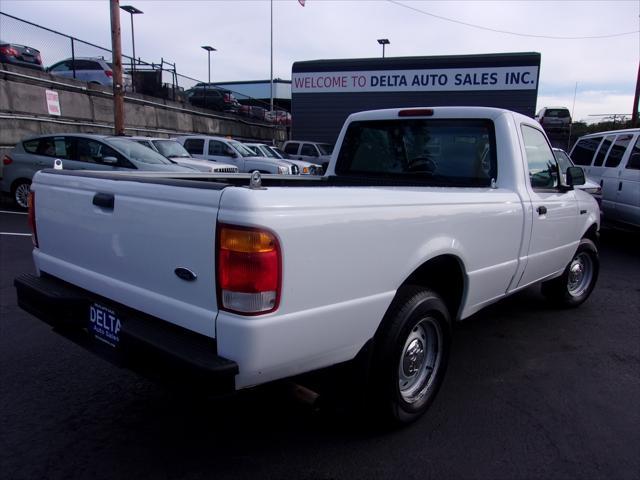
(605, 69)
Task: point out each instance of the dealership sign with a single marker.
(449, 79)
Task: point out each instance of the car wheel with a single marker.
(410, 356)
(575, 285)
(20, 193)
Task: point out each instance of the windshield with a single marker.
(138, 153)
(325, 148)
(279, 152)
(242, 150)
(266, 151)
(170, 148)
(563, 160)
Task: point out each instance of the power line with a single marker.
(480, 27)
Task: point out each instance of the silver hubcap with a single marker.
(420, 360)
(580, 274)
(22, 194)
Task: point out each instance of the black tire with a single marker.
(404, 383)
(575, 285)
(20, 191)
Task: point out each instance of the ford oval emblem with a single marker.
(185, 274)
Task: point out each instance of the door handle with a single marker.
(542, 210)
(104, 200)
(619, 186)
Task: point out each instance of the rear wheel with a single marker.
(410, 356)
(20, 192)
(575, 285)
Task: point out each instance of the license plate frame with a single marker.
(104, 324)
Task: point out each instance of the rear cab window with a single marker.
(291, 148)
(195, 146)
(453, 152)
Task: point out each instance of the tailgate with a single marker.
(130, 253)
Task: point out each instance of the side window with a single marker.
(61, 67)
(92, 151)
(634, 158)
(617, 151)
(291, 148)
(543, 169)
(308, 150)
(195, 146)
(603, 150)
(56, 147)
(87, 65)
(583, 152)
(31, 146)
(217, 148)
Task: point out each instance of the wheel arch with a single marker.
(593, 234)
(444, 274)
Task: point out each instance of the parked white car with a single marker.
(305, 168)
(316, 152)
(222, 149)
(175, 152)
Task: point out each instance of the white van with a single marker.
(613, 160)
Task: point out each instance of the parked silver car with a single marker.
(305, 168)
(234, 152)
(78, 152)
(174, 151)
(89, 69)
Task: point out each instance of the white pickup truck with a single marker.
(425, 216)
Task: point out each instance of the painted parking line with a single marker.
(13, 213)
(12, 234)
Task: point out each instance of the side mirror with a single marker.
(109, 160)
(575, 176)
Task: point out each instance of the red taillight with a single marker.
(31, 202)
(249, 270)
(416, 112)
(39, 58)
(10, 51)
(227, 98)
(108, 73)
(7, 160)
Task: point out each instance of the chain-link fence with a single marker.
(63, 55)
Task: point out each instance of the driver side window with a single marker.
(543, 167)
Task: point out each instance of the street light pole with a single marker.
(209, 49)
(383, 42)
(132, 11)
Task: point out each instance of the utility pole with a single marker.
(116, 51)
(634, 114)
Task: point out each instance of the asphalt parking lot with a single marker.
(532, 392)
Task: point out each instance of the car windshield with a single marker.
(171, 149)
(242, 150)
(325, 148)
(563, 160)
(279, 152)
(265, 151)
(136, 152)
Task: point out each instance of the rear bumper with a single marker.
(147, 345)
